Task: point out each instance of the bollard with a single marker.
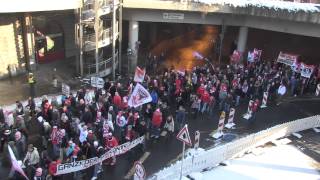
(318, 90)
(230, 123)
(249, 112)
(219, 132)
(264, 100)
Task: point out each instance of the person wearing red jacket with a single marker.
(117, 100)
(254, 109)
(205, 99)
(200, 89)
(157, 118)
(178, 85)
(53, 168)
(156, 123)
(111, 143)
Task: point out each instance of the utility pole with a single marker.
(96, 30)
(120, 35)
(81, 39)
(114, 30)
(24, 30)
(25, 22)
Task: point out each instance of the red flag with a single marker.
(139, 74)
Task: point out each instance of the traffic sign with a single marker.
(97, 82)
(196, 139)
(184, 136)
(140, 172)
(65, 89)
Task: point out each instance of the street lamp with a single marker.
(129, 55)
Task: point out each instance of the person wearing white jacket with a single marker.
(31, 160)
(281, 92)
(169, 127)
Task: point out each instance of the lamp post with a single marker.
(129, 55)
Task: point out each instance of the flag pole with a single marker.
(184, 144)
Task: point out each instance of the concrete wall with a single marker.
(293, 27)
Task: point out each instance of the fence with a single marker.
(212, 157)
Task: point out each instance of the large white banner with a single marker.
(139, 96)
(139, 75)
(84, 164)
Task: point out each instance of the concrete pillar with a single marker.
(133, 43)
(242, 39)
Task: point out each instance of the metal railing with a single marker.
(104, 39)
(103, 65)
(88, 14)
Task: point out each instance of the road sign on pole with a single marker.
(65, 89)
(196, 139)
(184, 136)
(140, 172)
(97, 82)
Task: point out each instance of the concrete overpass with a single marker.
(301, 23)
(305, 21)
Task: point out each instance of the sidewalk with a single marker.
(17, 88)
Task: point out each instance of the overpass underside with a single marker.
(300, 23)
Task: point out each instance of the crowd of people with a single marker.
(93, 121)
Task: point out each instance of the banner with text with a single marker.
(306, 70)
(287, 59)
(84, 164)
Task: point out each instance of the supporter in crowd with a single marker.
(97, 120)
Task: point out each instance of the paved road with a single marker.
(161, 153)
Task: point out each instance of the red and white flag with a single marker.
(15, 164)
(139, 96)
(139, 74)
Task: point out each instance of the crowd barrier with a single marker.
(212, 157)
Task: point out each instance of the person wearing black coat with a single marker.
(87, 116)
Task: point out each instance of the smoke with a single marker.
(179, 51)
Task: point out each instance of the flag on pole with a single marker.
(15, 164)
(197, 55)
(139, 74)
(139, 96)
(250, 56)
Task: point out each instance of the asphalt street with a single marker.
(160, 153)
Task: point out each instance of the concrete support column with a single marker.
(242, 39)
(133, 43)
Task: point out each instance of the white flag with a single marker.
(15, 164)
(139, 96)
(139, 74)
